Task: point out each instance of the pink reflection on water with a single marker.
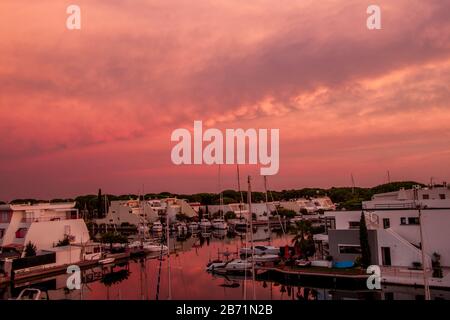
(189, 280)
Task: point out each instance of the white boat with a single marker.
(259, 250)
(157, 226)
(238, 265)
(181, 227)
(216, 264)
(106, 261)
(264, 258)
(134, 244)
(32, 294)
(219, 224)
(154, 247)
(205, 224)
(193, 226)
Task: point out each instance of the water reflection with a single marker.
(147, 278)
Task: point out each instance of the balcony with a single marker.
(46, 219)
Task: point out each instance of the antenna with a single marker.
(389, 176)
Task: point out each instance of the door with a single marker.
(386, 256)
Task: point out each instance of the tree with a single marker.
(113, 237)
(303, 239)
(364, 242)
(30, 250)
(64, 242)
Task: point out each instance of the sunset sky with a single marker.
(95, 108)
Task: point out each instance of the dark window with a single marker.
(21, 233)
(413, 220)
(349, 249)
(5, 216)
(2, 233)
(403, 220)
(353, 224)
(442, 196)
(386, 223)
(425, 196)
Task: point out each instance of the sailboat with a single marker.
(220, 223)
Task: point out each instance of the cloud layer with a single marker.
(95, 108)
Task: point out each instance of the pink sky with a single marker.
(95, 108)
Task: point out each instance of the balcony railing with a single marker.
(45, 219)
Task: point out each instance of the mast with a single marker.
(422, 248)
(249, 198)
(220, 195)
(267, 206)
(240, 192)
(424, 264)
(168, 257)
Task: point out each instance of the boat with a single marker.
(238, 265)
(302, 263)
(259, 250)
(181, 227)
(193, 225)
(205, 224)
(134, 244)
(216, 264)
(32, 294)
(219, 224)
(106, 261)
(157, 226)
(154, 247)
(265, 258)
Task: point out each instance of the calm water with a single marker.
(138, 279)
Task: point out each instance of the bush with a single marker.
(64, 242)
(30, 250)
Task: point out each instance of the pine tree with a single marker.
(364, 242)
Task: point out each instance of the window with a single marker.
(5, 216)
(386, 223)
(442, 196)
(413, 220)
(21, 233)
(403, 221)
(2, 233)
(353, 224)
(425, 196)
(349, 249)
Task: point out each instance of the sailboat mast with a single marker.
(267, 206)
(249, 199)
(168, 256)
(240, 192)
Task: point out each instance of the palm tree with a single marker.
(303, 238)
(30, 249)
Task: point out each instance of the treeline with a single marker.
(345, 197)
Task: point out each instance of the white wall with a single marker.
(46, 234)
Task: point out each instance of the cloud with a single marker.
(139, 69)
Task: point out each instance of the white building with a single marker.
(260, 209)
(136, 212)
(130, 211)
(43, 224)
(393, 226)
(311, 206)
